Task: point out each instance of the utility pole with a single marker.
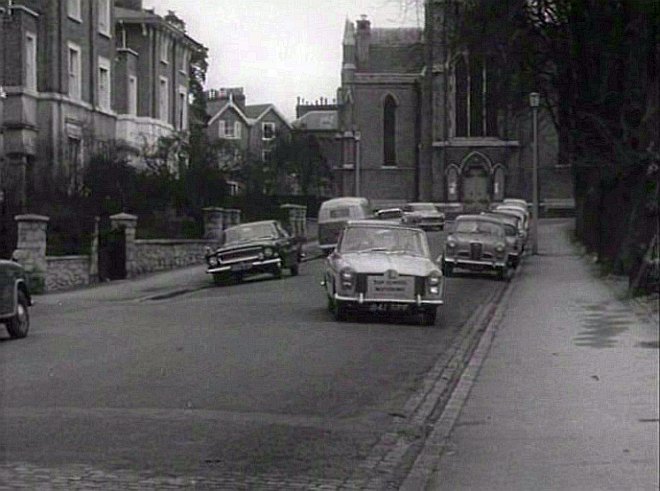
(534, 99)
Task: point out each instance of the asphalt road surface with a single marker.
(175, 382)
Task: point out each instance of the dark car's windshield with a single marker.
(387, 214)
(251, 231)
(373, 239)
(428, 207)
(478, 227)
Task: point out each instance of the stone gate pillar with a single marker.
(213, 223)
(31, 249)
(129, 224)
(296, 217)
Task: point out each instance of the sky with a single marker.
(278, 50)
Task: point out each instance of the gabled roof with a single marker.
(229, 105)
(396, 36)
(257, 111)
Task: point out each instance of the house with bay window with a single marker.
(81, 73)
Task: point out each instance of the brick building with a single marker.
(253, 128)
(78, 73)
(418, 121)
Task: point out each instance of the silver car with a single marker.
(380, 266)
(423, 215)
(477, 243)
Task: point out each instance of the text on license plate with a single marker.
(240, 266)
(399, 288)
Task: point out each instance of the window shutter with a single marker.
(237, 129)
(221, 128)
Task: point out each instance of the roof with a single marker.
(257, 111)
(149, 17)
(380, 224)
(481, 218)
(260, 222)
(318, 121)
(229, 105)
(345, 200)
(396, 36)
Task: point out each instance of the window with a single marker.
(268, 131)
(74, 72)
(73, 10)
(132, 95)
(266, 155)
(182, 108)
(164, 49)
(452, 184)
(104, 17)
(460, 72)
(476, 111)
(74, 158)
(498, 184)
(163, 99)
(229, 130)
(184, 60)
(389, 131)
(104, 95)
(30, 61)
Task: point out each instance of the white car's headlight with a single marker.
(347, 278)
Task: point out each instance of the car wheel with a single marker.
(220, 279)
(504, 273)
(19, 325)
(294, 269)
(447, 269)
(428, 315)
(277, 271)
(339, 310)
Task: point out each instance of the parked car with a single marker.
(333, 216)
(477, 243)
(394, 215)
(522, 216)
(423, 215)
(251, 248)
(513, 236)
(380, 266)
(15, 299)
(515, 201)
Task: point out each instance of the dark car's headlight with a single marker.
(213, 261)
(268, 252)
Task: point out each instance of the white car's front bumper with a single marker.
(361, 300)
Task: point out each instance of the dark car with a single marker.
(423, 215)
(14, 299)
(252, 248)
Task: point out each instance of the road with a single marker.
(169, 381)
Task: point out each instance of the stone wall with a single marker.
(67, 272)
(160, 254)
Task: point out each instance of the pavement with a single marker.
(562, 391)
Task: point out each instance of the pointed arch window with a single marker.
(389, 131)
(498, 184)
(475, 106)
(461, 74)
(452, 184)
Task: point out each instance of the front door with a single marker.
(475, 185)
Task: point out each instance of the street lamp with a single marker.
(534, 100)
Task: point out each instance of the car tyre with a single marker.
(504, 273)
(277, 271)
(220, 279)
(19, 325)
(295, 268)
(339, 310)
(427, 316)
(447, 269)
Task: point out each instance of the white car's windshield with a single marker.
(392, 240)
(478, 227)
(250, 232)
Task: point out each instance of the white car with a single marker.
(379, 266)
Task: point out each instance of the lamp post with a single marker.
(356, 142)
(534, 100)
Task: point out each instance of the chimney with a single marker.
(363, 40)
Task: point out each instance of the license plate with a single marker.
(240, 267)
(397, 288)
(384, 307)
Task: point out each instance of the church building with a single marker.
(418, 121)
